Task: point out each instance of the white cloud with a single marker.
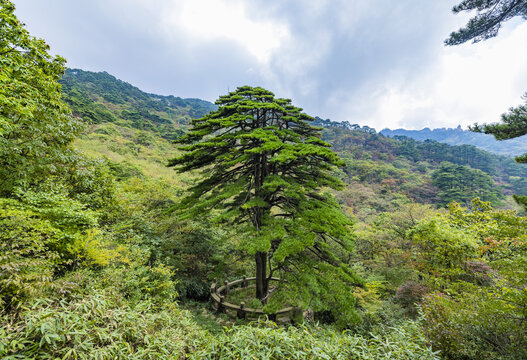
(291, 69)
(210, 20)
(378, 62)
(466, 84)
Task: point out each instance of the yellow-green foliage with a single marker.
(26, 258)
(443, 249)
(480, 312)
(40, 232)
(147, 153)
(93, 248)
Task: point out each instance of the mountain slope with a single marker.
(102, 98)
(133, 130)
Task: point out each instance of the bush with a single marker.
(26, 261)
(198, 256)
(267, 341)
(41, 235)
(98, 327)
(479, 326)
(410, 294)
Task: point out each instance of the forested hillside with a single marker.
(427, 172)
(458, 136)
(101, 98)
(399, 165)
(390, 248)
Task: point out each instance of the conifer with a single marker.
(264, 167)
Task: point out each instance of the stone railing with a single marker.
(218, 295)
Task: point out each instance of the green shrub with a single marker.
(43, 234)
(144, 283)
(268, 341)
(481, 325)
(98, 327)
(26, 259)
(123, 170)
(198, 255)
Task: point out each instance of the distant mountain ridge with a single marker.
(133, 131)
(458, 136)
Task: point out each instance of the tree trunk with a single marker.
(262, 283)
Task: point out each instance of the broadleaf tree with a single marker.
(491, 14)
(36, 126)
(263, 170)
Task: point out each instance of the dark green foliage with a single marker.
(514, 124)
(521, 199)
(78, 82)
(462, 155)
(427, 150)
(124, 170)
(403, 164)
(263, 165)
(488, 20)
(462, 184)
(198, 255)
(477, 327)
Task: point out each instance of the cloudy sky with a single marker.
(380, 63)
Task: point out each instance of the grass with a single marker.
(121, 144)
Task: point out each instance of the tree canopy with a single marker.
(263, 166)
(461, 183)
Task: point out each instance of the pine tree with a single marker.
(461, 184)
(488, 20)
(514, 124)
(263, 166)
